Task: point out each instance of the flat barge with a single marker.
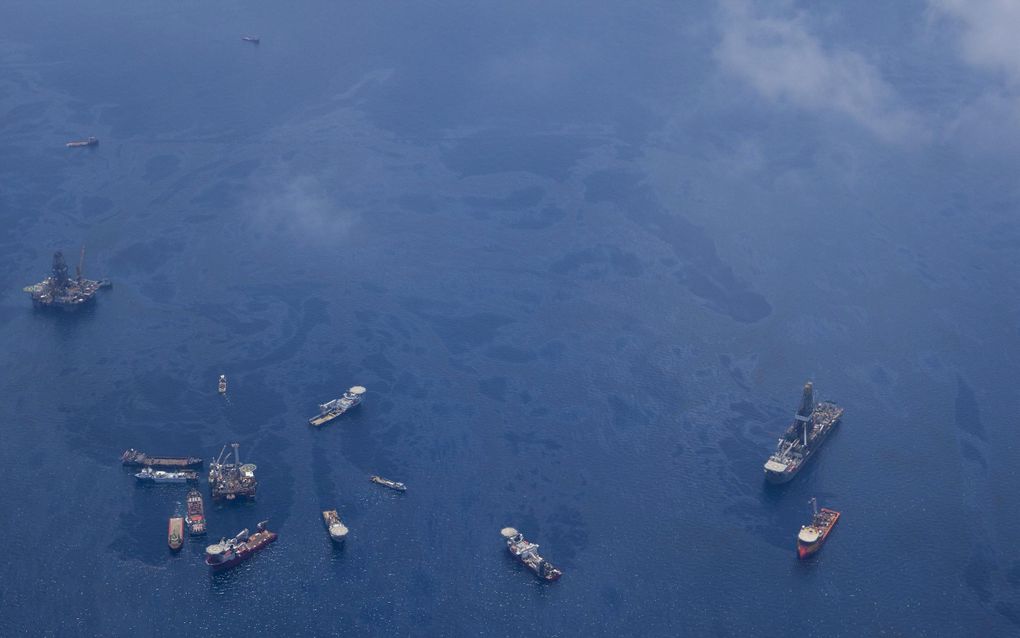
(135, 458)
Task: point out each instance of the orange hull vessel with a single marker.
(812, 537)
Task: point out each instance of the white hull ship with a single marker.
(336, 407)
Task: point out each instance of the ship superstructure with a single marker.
(811, 425)
(230, 481)
(59, 290)
(527, 552)
(332, 409)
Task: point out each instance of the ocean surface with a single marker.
(582, 255)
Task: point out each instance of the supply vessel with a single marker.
(231, 481)
(811, 425)
(59, 290)
(134, 458)
(336, 407)
(149, 475)
(812, 536)
(175, 533)
(337, 530)
(233, 551)
(88, 141)
(196, 513)
(527, 553)
(393, 485)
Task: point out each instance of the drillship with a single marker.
(231, 480)
(60, 291)
(527, 553)
(811, 537)
(230, 552)
(336, 407)
(811, 425)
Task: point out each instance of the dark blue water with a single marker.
(583, 265)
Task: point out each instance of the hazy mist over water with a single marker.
(583, 257)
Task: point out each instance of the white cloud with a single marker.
(298, 206)
(783, 61)
(989, 33)
(985, 33)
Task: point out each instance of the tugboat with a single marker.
(812, 536)
(231, 552)
(196, 513)
(337, 530)
(149, 475)
(223, 384)
(336, 407)
(175, 533)
(393, 485)
(232, 480)
(527, 553)
(254, 39)
(811, 425)
(89, 141)
(134, 458)
(59, 290)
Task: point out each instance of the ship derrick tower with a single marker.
(59, 278)
(807, 408)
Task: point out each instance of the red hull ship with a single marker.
(196, 513)
(232, 552)
(812, 536)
